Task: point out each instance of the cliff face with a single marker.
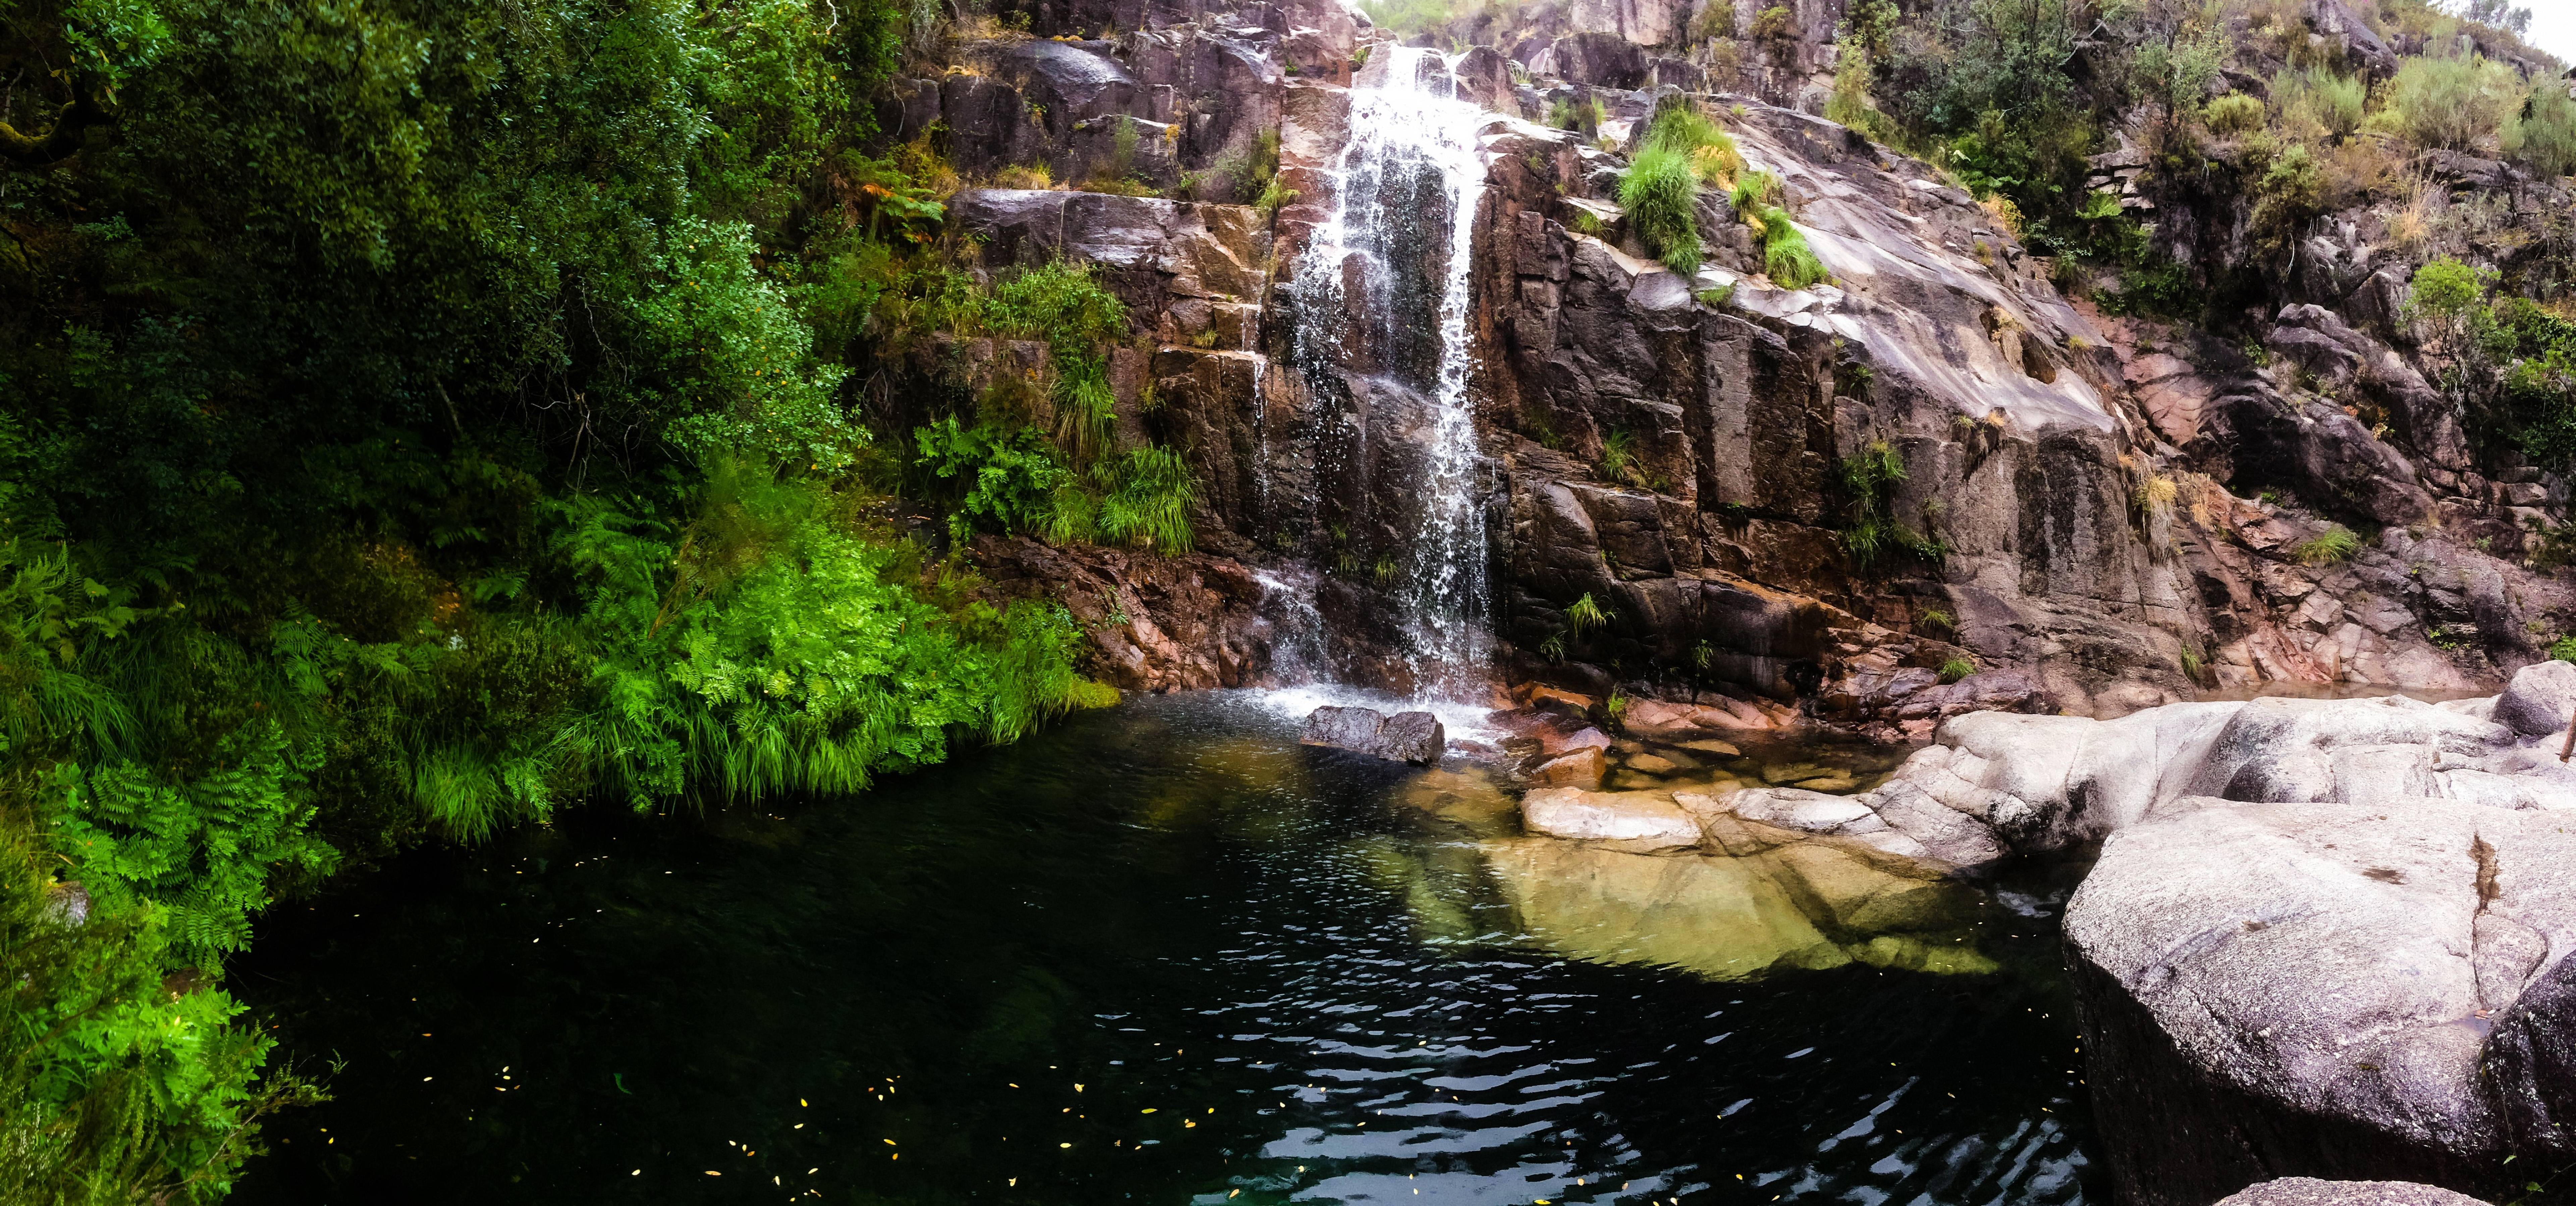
(2096, 514)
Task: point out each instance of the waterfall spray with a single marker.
(1401, 234)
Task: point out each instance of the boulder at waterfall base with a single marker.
(1415, 737)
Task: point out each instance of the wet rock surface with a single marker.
(1414, 737)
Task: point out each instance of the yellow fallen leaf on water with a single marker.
(1149, 1109)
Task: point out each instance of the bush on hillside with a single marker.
(2234, 113)
(2542, 136)
(2451, 103)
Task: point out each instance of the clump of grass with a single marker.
(1869, 481)
(2156, 494)
(1754, 191)
(1957, 668)
(1940, 619)
(1786, 258)
(1682, 149)
(1660, 192)
(2330, 546)
(1274, 196)
(1681, 126)
(1620, 462)
(1149, 503)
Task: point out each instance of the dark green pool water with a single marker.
(1154, 954)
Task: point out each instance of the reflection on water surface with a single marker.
(1161, 954)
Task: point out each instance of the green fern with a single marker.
(1584, 616)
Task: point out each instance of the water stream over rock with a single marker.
(1383, 291)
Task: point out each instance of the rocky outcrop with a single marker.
(2325, 988)
(2323, 937)
(2100, 515)
(1192, 622)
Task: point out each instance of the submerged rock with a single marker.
(1415, 737)
(1727, 917)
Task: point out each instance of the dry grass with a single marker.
(1033, 175)
(2410, 224)
(2007, 215)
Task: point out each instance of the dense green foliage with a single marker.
(420, 417)
(2506, 364)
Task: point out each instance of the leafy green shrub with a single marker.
(118, 1090)
(2333, 545)
(1009, 475)
(2451, 102)
(2542, 135)
(2234, 113)
(2286, 195)
(1957, 668)
(1660, 192)
(2563, 649)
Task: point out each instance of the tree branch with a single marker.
(71, 127)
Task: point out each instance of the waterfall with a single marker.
(1382, 299)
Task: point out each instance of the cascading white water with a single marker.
(1401, 234)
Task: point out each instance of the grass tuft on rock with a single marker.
(1660, 193)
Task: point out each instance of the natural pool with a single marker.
(1162, 954)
